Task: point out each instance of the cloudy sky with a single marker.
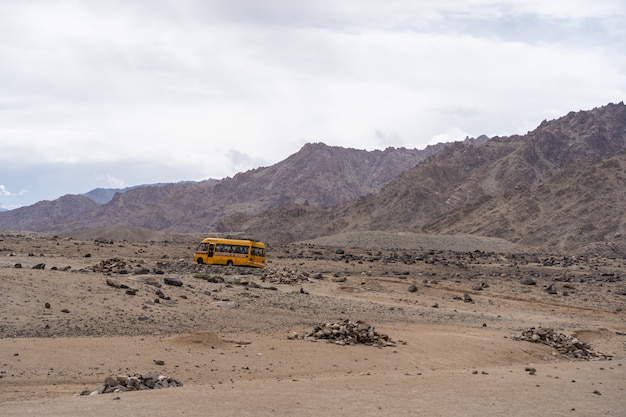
(124, 92)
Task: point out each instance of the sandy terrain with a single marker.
(224, 332)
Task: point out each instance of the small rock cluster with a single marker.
(136, 382)
(346, 332)
(286, 276)
(564, 344)
(120, 266)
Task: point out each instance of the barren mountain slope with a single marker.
(46, 215)
(560, 186)
(318, 174)
(582, 205)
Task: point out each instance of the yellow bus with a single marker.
(217, 251)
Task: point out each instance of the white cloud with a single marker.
(196, 89)
(5, 192)
(110, 181)
(453, 134)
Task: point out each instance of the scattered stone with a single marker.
(467, 298)
(528, 281)
(88, 255)
(47, 305)
(551, 289)
(177, 282)
(39, 266)
(18, 265)
(412, 288)
(112, 282)
(65, 310)
(159, 362)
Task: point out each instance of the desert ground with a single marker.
(80, 308)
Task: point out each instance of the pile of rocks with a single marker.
(136, 382)
(122, 267)
(564, 344)
(113, 265)
(346, 332)
(287, 276)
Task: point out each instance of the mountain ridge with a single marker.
(559, 186)
(318, 174)
(498, 190)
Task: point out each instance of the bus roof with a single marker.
(232, 241)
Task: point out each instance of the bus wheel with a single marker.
(229, 263)
(200, 261)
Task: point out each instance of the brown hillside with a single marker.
(318, 174)
(559, 187)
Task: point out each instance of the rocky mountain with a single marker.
(561, 187)
(47, 215)
(104, 195)
(318, 175)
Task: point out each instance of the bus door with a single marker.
(211, 249)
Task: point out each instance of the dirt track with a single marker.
(223, 333)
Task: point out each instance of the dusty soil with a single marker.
(224, 332)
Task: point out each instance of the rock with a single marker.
(39, 266)
(412, 288)
(18, 265)
(111, 381)
(467, 298)
(112, 282)
(528, 281)
(177, 282)
(551, 289)
(47, 305)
